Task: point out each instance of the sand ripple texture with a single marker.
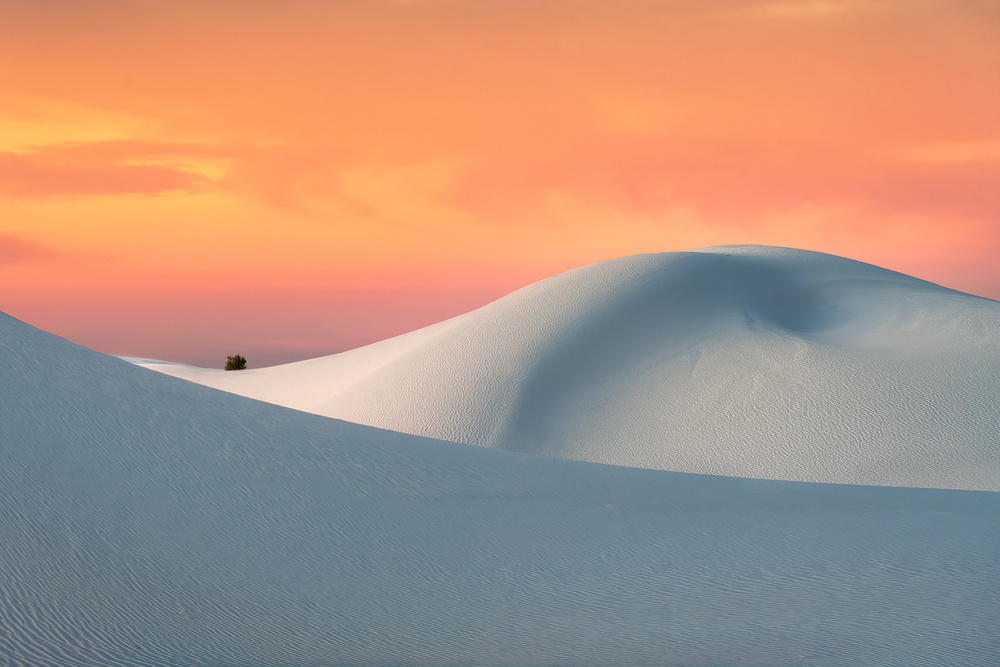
(739, 360)
(149, 521)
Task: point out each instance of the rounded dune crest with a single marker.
(747, 361)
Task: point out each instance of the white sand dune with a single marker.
(739, 360)
(149, 521)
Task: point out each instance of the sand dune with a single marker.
(149, 521)
(739, 360)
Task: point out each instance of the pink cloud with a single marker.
(18, 249)
(740, 182)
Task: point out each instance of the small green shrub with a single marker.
(236, 363)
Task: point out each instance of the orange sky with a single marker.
(190, 179)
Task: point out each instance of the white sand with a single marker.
(741, 360)
(149, 521)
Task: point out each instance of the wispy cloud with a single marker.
(950, 152)
(812, 9)
(108, 168)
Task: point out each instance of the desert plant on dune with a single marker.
(236, 363)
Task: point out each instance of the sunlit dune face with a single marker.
(156, 147)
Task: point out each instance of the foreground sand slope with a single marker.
(149, 521)
(739, 360)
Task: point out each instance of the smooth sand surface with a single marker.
(150, 521)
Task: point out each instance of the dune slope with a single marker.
(148, 521)
(739, 360)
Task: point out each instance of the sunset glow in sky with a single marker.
(188, 179)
